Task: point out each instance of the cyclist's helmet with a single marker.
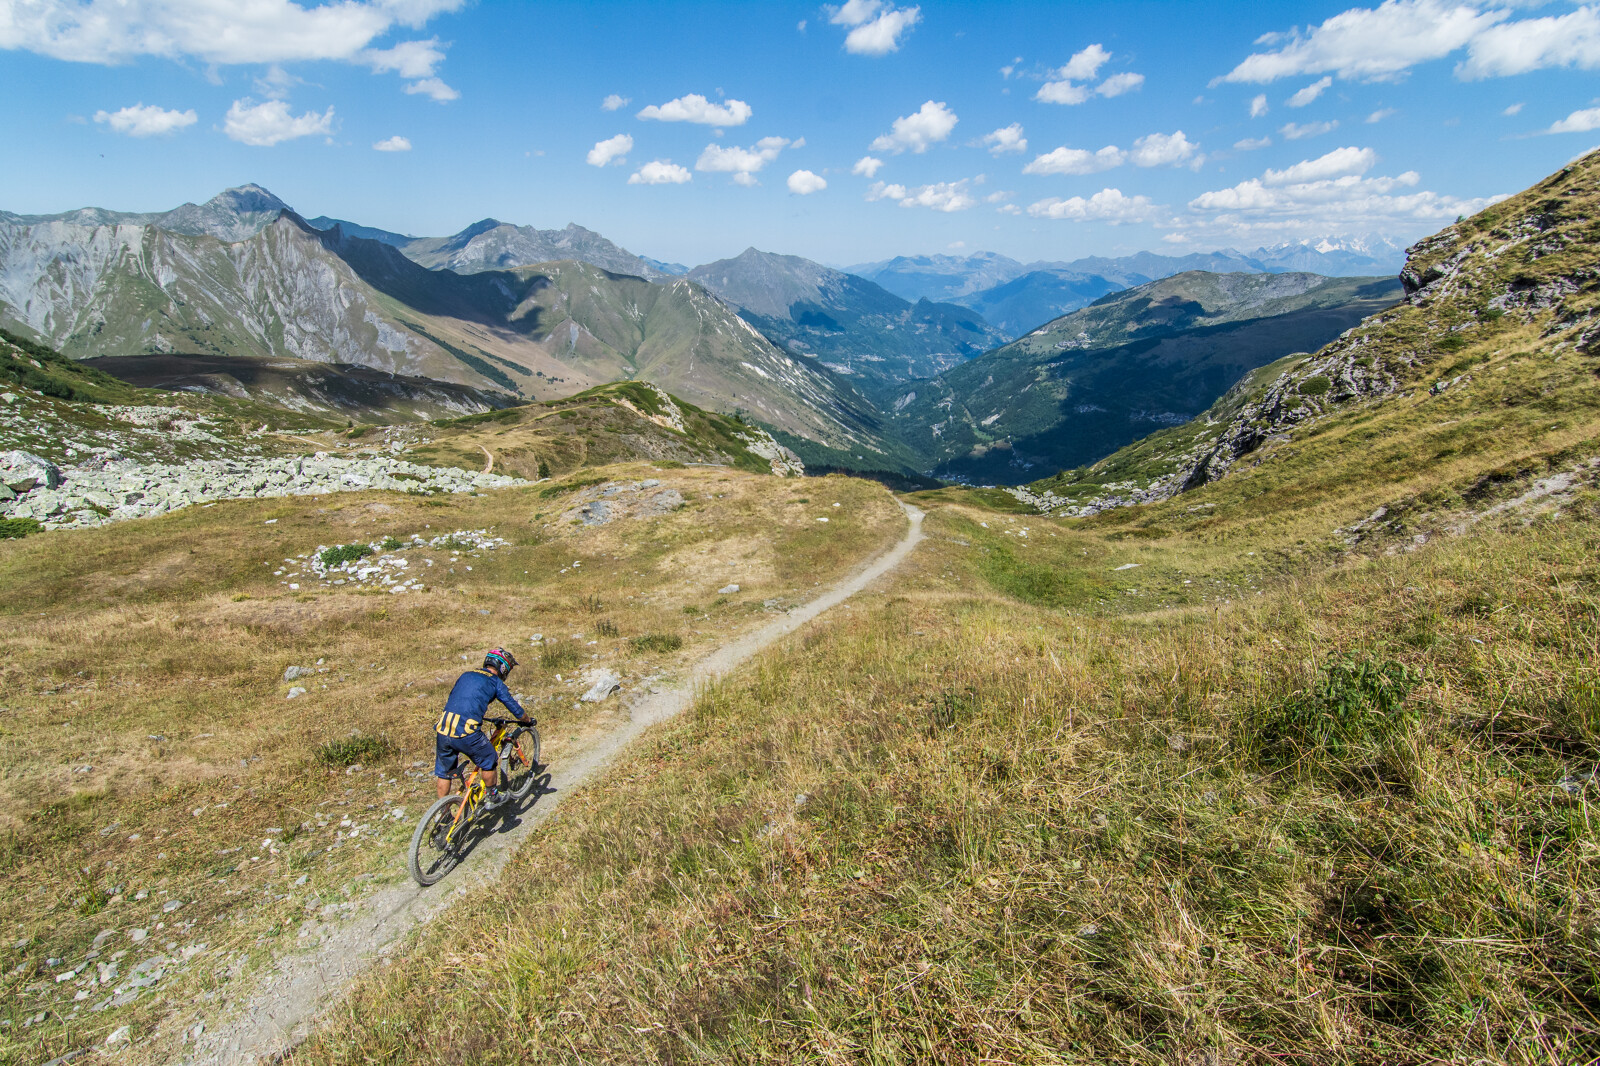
(499, 660)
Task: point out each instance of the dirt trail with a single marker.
(488, 467)
(282, 1011)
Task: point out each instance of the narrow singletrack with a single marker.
(283, 1010)
(488, 467)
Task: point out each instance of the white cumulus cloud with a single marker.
(1250, 144)
(867, 167)
(1294, 131)
(226, 32)
(804, 183)
(146, 120)
(696, 108)
(1006, 139)
(396, 143)
(928, 125)
(1162, 150)
(1258, 106)
(1069, 84)
(660, 172)
(939, 196)
(1152, 150)
(434, 88)
(611, 150)
(1369, 44)
(1107, 205)
(1077, 161)
(1084, 65)
(409, 59)
(1571, 40)
(876, 27)
(269, 123)
(1577, 122)
(742, 163)
(1337, 163)
(215, 31)
(614, 103)
(1328, 195)
(1310, 92)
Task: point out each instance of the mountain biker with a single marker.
(460, 726)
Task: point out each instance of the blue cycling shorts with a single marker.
(474, 746)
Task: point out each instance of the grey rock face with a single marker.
(24, 471)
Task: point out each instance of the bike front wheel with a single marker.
(433, 851)
(519, 761)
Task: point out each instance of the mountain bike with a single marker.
(442, 834)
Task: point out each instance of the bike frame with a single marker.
(472, 786)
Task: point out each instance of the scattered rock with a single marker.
(727, 590)
(296, 691)
(23, 471)
(118, 1037)
(601, 682)
(294, 673)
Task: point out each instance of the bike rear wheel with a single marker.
(519, 761)
(432, 855)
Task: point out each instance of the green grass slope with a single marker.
(1232, 775)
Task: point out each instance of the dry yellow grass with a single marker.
(951, 826)
(154, 652)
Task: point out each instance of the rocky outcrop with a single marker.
(111, 489)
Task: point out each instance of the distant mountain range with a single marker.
(851, 325)
(1089, 382)
(882, 365)
(244, 276)
(1016, 297)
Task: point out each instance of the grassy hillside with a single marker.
(187, 798)
(1089, 382)
(1251, 770)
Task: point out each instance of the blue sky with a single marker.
(841, 133)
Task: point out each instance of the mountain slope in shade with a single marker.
(675, 334)
(335, 390)
(847, 323)
(1093, 380)
(495, 245)
(1032, 299)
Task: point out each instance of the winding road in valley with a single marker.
(283, 1010)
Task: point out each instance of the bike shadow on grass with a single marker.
(509, 817)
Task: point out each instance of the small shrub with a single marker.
(593, 604)
(356, 749)
(1451, 344)
(556, 656)
(17, 528)
(358, 432)
(544, 469)
(1315, 386)
(1355, 702)
(690, 608)
(606, 627)
(390, 543)
(343, 553)
(662, 642)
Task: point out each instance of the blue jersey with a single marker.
(469, 699)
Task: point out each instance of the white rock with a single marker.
(601, 682)
(118, 1037)
(296, 691)
(727, 590)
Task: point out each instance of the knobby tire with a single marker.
(429, 862)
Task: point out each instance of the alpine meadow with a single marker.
(1098, 563)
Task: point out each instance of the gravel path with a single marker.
(284, 1009)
